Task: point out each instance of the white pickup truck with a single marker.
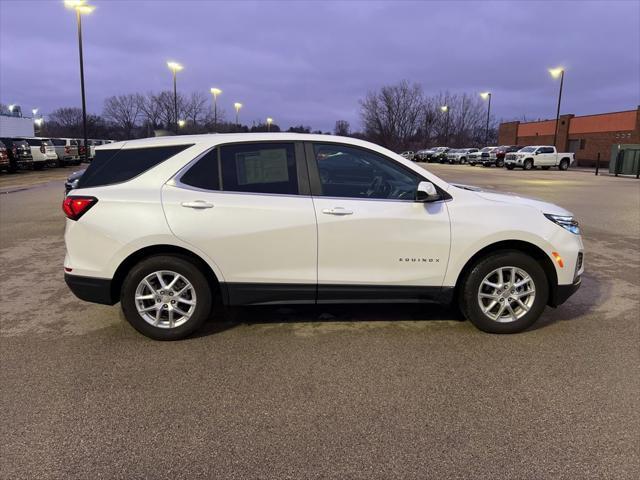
(543, 156)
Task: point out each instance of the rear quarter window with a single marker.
(58, 142)
(116, 166)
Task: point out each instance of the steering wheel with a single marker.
(379, 188)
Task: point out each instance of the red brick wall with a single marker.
(508, 133)
(597, 141)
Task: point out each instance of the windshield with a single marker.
(528, 149)
(486, 149)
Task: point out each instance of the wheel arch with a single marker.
(165, 249)
(518, 245)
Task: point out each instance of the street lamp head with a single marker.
(38, 121)
(11, 107)
(485, 95)
(556, 72)
(175, 66)
(216, 91)
(181, 123)
(79, 6)
(444, 108)
(269, 120)
(237, 106)
(34, 111)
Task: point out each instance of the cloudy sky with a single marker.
(311, 62)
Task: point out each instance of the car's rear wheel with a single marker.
(564, 164)
(510, 166)
(505, 292)
(166, 297)
(528, 164)
(500, 163)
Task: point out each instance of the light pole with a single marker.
(38, 123)
(555, 73)
(269, 122)
(485, 96)
(237, 106)
(175, 68)
(81, 8)
(445, 109)
(215, 92)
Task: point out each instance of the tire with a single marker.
(519, 318)
(463, 161)
(473, 164)
(564, 164)
(170, 266)
(38, 166)
(545, 168)
(510, 166)
(500, 163)
(528, 164)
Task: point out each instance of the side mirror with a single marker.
(426, 192)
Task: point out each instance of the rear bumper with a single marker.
(90, 289)
(563, 292)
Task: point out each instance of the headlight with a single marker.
(565, 221)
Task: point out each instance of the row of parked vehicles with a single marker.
(36, 153)
(509, 156)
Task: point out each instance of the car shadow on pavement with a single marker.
(589, 297)
(226, 319)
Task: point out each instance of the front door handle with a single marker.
(337, 211)
(197, 204)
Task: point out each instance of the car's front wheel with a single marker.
(166, 297)
(505, 292)
(528, 164)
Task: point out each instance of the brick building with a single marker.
(586, 136)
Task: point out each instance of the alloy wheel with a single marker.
(165, 299)
(506, 294)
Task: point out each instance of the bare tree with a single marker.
(196, 108)
(342, 128)
(392, 115)
(123, 111)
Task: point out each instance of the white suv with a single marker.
(164, 225)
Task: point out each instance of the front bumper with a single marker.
(90, 289)
(562, 292)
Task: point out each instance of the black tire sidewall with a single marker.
(469, 300)
(179, 265)
(564, 165)
(527, 165)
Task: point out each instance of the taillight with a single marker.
(75, 207)
(67, 149)
(42, 149)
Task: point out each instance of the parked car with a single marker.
(439, 154)
(67, 151)
(92, 147)
(43, 152)
(165, 225)
(497, 155)
(5, 164)
(422, 155)
(19, 153)
(476, 157)
(409, 155)
(485, 156)
(72, 180)
(460, 155)
(543, 156)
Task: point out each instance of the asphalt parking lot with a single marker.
(323, 392)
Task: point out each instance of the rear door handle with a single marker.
(197, 204)
(337, 211)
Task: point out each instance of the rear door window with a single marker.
(259, 168)
(116, 166)
(34, 142)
